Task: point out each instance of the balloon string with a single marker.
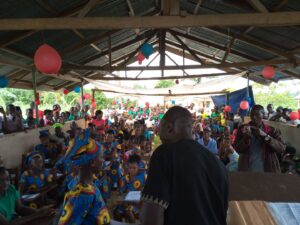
(43, 37)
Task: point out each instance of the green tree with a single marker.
(165, 84)
(276, 94)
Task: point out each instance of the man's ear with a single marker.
(170, 127)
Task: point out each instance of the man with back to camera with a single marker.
(186, 185)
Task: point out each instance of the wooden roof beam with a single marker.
(87, 8)
(214, 45)
(254, 42)
(160, 78)
(258, 6)
(280, 5)
(170, 7)
(186, 47)
(231, 20)
(120, 46)
(204, 66)
(25, 34)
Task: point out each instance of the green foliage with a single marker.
(165, 84)
(277, 94)
(23, 98)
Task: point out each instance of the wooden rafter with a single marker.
(254, 42)
(120, 46)
(161, 78)
(170, 7)
(258, 6)
(229, 46)
(11, 40)
(231, 20)
(186, 47)
(203, 66)
(214, 45)
(195, 12)
(162, 48)
(45, 5)
(169, 57)
(82, 37)
(85, 10)
(280, 5)
(137, 49)
(148, 65)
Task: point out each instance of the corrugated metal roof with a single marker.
(210, 42)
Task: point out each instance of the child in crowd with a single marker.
(47, 148)
(36, 178)
(134, 180)
(111, 155)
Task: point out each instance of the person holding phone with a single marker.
(259, 145)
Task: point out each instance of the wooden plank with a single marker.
(270, 187)
(95, 23)
(96, 77)
(206, 66)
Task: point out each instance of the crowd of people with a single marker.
(112, 155)
(280, 115)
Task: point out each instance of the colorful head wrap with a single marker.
(83, 150)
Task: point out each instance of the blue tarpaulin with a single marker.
(235, 99)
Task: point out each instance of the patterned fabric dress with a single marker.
(32, 183)
(128, 184)
(84, 205)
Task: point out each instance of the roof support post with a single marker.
(162, 50)
(109, 52)
(35, 93)
(82, 96)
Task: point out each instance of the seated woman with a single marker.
(133, 181)
(11, 207)
(35, 179)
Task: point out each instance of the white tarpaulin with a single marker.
(211, 87)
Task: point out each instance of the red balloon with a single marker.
(94, 105)
(294, 116)
(87, 96)
(66, 92)
(140, 58)
(47, 59)
(244, 105)
(177, 81)
(268, 72)
(227, 108)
